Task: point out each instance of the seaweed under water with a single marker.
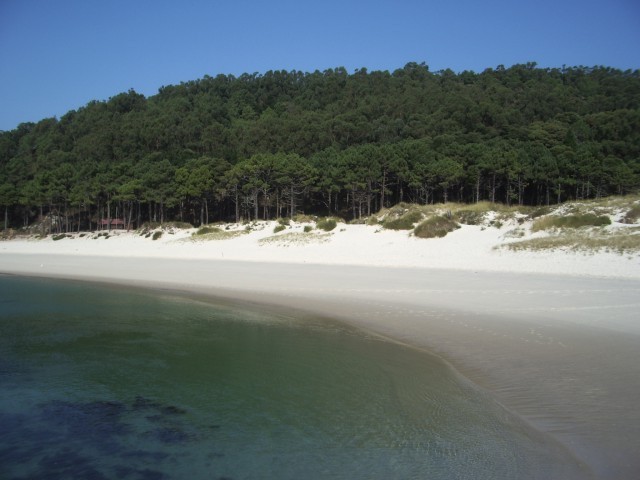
(65, 439)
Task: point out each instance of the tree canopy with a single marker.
(273, 144)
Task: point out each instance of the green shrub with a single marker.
(570, 221)
(156, 235)
(373, 220)
(146, 226)
(302, 218)
(279, 228)
(621, 242)
(206, 230)
(284, 222)
(405, 222)
(469, 217)
(7, 234)
(539, 212)
(175, 224)
(307, 228)
(632, 215)
(435, 227)
(149, 226)
(55, 238)
(326, 224)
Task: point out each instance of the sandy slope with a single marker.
(474, 248)
(561, 350)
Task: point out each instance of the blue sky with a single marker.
(56, 56)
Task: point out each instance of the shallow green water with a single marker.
(102, 382)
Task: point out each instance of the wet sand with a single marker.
(563, 352)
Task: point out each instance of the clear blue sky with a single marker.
(57, 55)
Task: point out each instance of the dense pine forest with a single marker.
(272, 145)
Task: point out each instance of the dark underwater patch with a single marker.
(68, 439)
(66, 464)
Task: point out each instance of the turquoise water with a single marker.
(104, 382)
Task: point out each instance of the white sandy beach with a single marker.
(470, 248)
(554, 335)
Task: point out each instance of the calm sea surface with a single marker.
(103, 382)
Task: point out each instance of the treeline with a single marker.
(273, 144)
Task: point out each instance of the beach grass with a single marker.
(632, 215)
(621, 241)
(405, 221)
(303, 218)
(295, 239)
(404, 216)
(212, 232)
(215, 233)
(60, 236)
(435, 227)
(612, 206)
(326, 224)
(146, 226)
(570, 221)
(207, 230)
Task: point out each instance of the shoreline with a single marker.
(561, 352)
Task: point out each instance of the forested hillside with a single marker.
(273, 144)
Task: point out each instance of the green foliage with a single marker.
(285, 222)
(55, 238)
(279, 228)
(156, 235)
(302, 218)
(570, 221)
(326, 224)
(176, 224)
(207, 230)
(434, 227)
(632, 215)
(261, 146)
(295, 239)
(405, 222)
(8, 234)
(146, 226)
(469, 217)
(308, 228)
(621, 242)
(149, 226)
(539, 212)
(215, 233)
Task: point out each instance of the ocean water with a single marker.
(105, 382)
